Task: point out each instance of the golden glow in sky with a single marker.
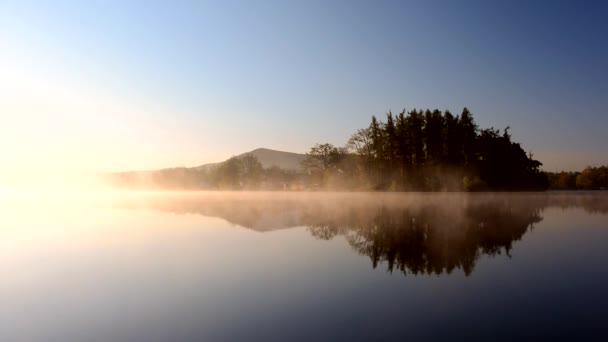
(95, 87)
(56, 131)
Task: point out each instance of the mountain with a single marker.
(268, 158)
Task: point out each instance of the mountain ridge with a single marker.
(268, 158)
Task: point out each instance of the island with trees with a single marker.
(416, 150)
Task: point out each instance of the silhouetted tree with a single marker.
(361, 143)
(468, 134)
(404, 147)
(391, 141)
(430, 150)
(452, 141)
(320, 156)
(422, 151)
(433, 137)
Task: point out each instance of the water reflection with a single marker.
(410, 234)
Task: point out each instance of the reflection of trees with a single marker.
(434, 239)
(591, 201)
(416, 234)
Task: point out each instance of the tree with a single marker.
(252, 171)
(424, 150)
(468, 134)
(229, 173)
(362, 144)
(391, 140)
(404, 149)
(320, 156)
(377, 135)
(416, 124)
(452, 141)
(593, 178)
(433, 136)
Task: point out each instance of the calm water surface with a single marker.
(293, 266)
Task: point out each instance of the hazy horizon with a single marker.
(420, 196)
(111, 86)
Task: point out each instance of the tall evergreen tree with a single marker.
(377, 135)
(416, 123)
(468, 134)
(403, 146)
(433, 136)
(452, 141)
(391, 141)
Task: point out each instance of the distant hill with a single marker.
(268, 158)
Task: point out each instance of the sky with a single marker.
(96, 86)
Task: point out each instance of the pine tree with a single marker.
(468, 134)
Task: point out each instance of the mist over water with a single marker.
(413, 233)
(184, 266)
(312, 171)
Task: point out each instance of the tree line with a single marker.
(237, 173)
(426, 150)
(418, 150)
(591, 178)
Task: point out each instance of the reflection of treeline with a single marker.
(589, 201)
(434, 239)
(426, 151)
(418, 234)
(591, 178)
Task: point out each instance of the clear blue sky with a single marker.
(183, 83)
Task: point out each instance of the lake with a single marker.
(192, 266)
